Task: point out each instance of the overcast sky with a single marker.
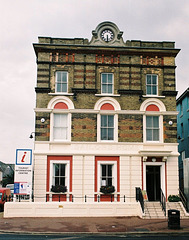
(22, 21)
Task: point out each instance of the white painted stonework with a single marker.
(60, 209)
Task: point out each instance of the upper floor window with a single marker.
(60, 128)
(151, 84)
(152, 128)
(107, 127)
(107, 83)
(62, 82)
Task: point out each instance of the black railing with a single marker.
(163, 201)
(183, 199)
(139, 197)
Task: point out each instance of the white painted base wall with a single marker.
(59, 209)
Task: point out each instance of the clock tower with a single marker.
(107, 33)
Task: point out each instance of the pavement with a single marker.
(89, 225)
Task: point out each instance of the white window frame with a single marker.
(114, 173)
(104, 112)
(148, 94)
(59, 111)
(56, 90)
(67, 172)
(160, 127)
(106, 93)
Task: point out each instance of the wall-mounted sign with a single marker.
(23, 172)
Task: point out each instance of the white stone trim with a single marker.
(154, 101)
(58, 99)
(109, 100)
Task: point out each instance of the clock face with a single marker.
(107, 35)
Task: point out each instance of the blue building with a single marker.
(183, 131)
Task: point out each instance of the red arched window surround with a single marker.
(152, 107)
(61, 105)
(107, 106)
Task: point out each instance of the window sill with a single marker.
(61, 94)
(107, 95)
(152, 96)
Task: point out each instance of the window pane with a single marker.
(156, 122)
(62, 169)
(56, 181)
(104, 88)
(104, 120)
(103, 134)
(103, 170)
(154, 79)
(64, 77)
(62, 181)
(109, 181)
(148, 81)
(148, 89)
(104, 78)
(64, 87)
(154, 90)
(156, 135)
(110, 134)
(58, 76)
(109, 88)
(56, 170)
(109, 170)
(148, 121)
(110, 78)
(110, 121)
(148, 134)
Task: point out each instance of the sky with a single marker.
(21, 22)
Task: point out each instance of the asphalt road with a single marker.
(91, 237)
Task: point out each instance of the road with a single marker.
(93, 236)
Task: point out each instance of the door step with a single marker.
(153, 210)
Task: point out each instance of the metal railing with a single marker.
(139, 197)
(183, 199)
(163, 201)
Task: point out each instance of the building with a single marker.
(183, 132)
(105, 116)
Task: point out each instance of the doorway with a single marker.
(153, 182)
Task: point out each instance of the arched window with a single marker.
(153, 120)
(107, 119)
(60, 127)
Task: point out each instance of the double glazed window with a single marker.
(59, 174)
(61, 82)
(60, 128)
(107, 83)
(107, 127)
(106, 175)
(151, 84)
(152, 128)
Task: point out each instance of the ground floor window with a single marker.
(59, 174)
(106, 175)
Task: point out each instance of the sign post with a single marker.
(23, 172)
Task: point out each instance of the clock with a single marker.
(107, 35)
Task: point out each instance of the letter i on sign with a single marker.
(23, 156)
